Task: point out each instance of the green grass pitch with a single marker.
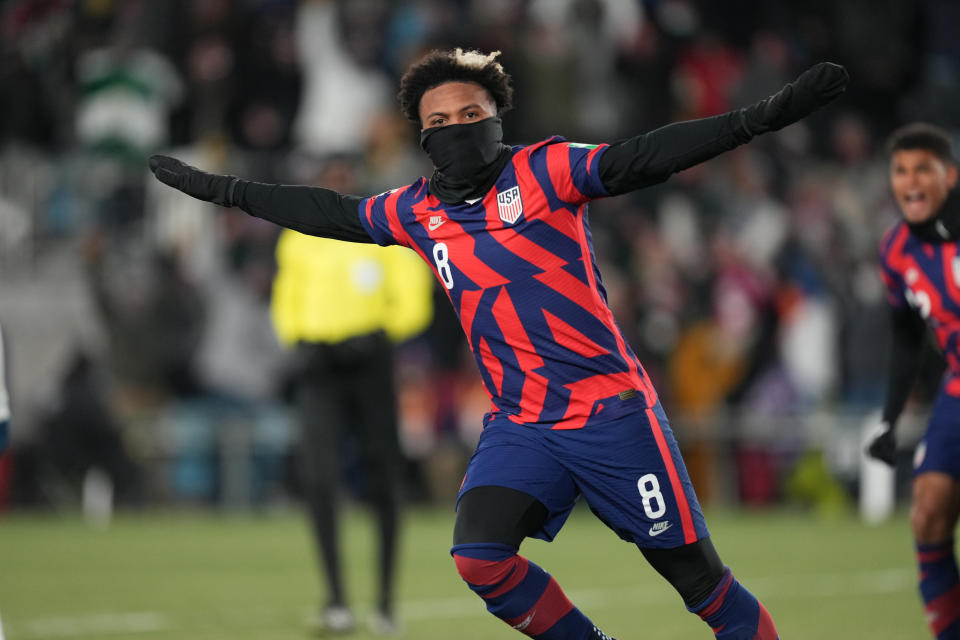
(193, 576)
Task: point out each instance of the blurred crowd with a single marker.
(747, 285)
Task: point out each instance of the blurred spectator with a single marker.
(153, 316)
(705, 76)
(34, 67)
(391, 157)
(126, 94)
(343, 87)
(207, 53)
(237, 331)
(25, 114)
(229, 442)
(268, 87)
(82, 448)
(341, 306)
(767, 67)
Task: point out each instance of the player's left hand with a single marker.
(817, 86)
(884, 446)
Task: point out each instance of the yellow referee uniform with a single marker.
(327, 291)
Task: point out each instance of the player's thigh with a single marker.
(492, 514)
(939, 449)
(936, 473)
(632, 475)
(514, 457)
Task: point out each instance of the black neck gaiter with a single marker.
(943, 227)
(467, 158)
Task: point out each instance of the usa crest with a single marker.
(509, 205)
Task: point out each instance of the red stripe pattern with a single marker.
(551, 606)
(926, 277)
(765, 627)
(505, 584)
(943, 611)
(505, 573)
(686, 517)
(519, 269)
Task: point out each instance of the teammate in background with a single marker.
(920, 265)
(573, 412)
(342, 306)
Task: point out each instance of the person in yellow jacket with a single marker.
(342, 306)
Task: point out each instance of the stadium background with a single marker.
(139, 337)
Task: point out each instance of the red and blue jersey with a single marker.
(519, 268)
(925, 277)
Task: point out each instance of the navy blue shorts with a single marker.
(629, 471)
(939, 449)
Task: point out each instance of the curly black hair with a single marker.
(438, 67)
(920, 135)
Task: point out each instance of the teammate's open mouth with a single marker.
(914, 201)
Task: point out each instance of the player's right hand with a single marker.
(884, 446)
(194, 182)
(817, 86)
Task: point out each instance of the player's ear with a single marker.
(952, 174)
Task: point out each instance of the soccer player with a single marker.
(920, 265)
(573, 413)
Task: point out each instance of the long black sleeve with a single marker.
(653, 157)
(314, 211)
(906, 354)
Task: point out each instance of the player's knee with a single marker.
(477, 572)
(695, 586)
(936, 507)
(491, 568)
(694, 570)
(930, 525)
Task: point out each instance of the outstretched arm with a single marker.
(653, 157)
(314, 211)
(906, 355)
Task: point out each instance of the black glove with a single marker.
(884, 446)
(193, 182)
(815, 87)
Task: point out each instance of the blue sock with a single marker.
(940, 588)
(734, 613)
(521, 594)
